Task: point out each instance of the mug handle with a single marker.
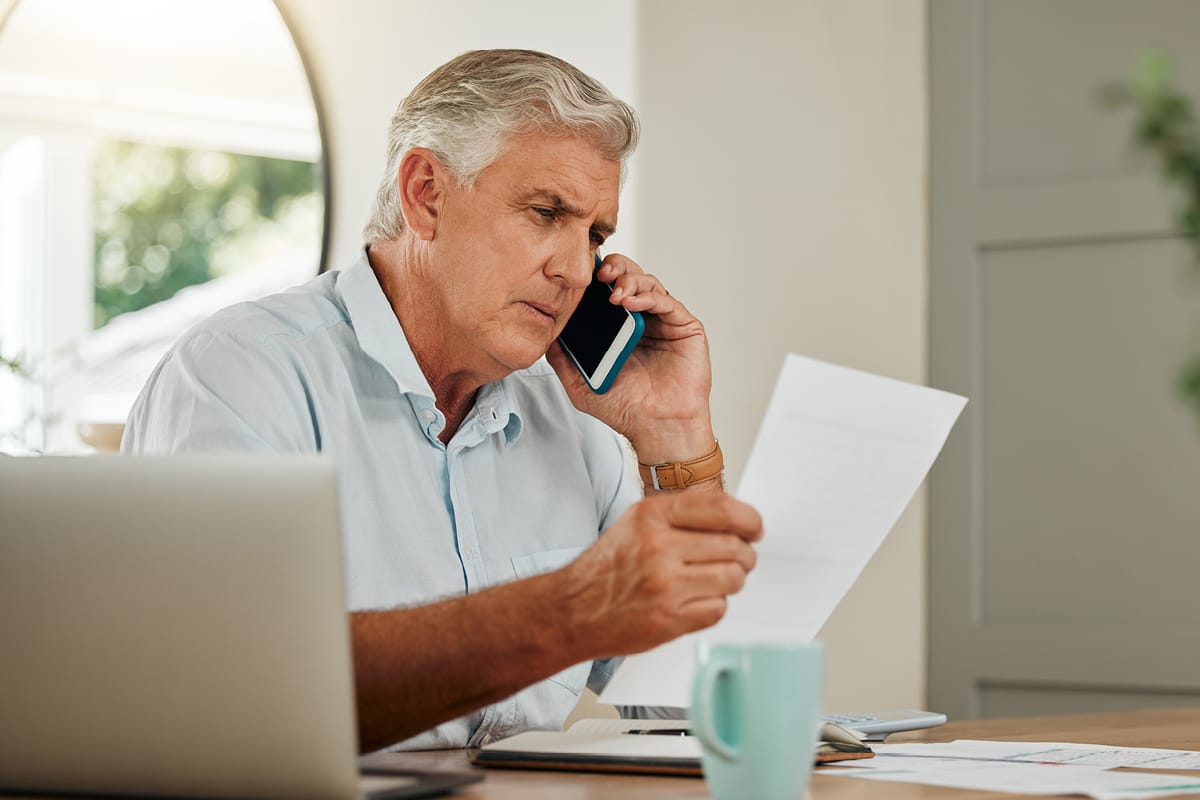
(703, 692)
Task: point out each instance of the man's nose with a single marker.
(573, 268)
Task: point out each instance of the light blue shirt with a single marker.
(525, 485)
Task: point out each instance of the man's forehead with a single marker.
(565, 160)
(572, 181)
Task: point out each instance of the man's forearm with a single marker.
(662, 569)
(419, 667)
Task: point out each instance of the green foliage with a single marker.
(14, 365)
(1165, 126)
(166, 216)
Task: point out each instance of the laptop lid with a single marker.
(174, 626)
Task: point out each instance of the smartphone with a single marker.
(599, 336)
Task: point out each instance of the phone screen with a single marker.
(590, 331)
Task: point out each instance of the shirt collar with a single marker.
(497, 412)
(379, 333)
(381, 337)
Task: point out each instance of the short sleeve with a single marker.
(613, 468)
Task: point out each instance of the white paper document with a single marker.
(1023, 778)
(1094, 755)
(838, 457)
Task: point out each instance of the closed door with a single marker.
(1065, 524)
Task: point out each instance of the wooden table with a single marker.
(1175, 728)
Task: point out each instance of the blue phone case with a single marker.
(638, 325)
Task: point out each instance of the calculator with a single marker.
(878, 725)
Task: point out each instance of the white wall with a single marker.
(783, 196)
(780, 190)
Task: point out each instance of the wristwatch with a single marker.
(682, 474)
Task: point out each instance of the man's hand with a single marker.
(660, 399)
(662, 570)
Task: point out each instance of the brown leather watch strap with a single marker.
(682, 474)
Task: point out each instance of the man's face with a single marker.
(513, 254)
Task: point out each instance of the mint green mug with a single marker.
(756, 709)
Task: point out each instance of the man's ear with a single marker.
(422, 181)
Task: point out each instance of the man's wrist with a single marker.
(662, 442)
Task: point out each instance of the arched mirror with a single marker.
(159, 160)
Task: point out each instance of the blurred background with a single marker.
(157, 161)
(963, 193)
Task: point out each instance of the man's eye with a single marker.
(597, 239)
(546, 213)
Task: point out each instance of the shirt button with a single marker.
(429, 416)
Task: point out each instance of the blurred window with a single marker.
(170, 217)
(159, 160)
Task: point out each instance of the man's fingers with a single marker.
(712, 580)
(661, 305)
(716, 548)
(637, 290)
(645, 293)
(713, 512)
(636, 284)
(702, 613)
(615, 265)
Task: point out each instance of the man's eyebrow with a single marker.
(557, 202)
(604, 228)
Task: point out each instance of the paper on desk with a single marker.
(1001, 776)
(1094, 755)
(839, 455)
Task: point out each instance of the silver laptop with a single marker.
(175, 626)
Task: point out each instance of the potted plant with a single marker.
(1165, 126)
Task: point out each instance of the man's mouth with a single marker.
(545, 309)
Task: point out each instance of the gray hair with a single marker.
(467, 109)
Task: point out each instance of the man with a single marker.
(475, 476)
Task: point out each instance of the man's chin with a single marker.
(518, 359)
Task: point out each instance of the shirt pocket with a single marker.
(573, 678)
